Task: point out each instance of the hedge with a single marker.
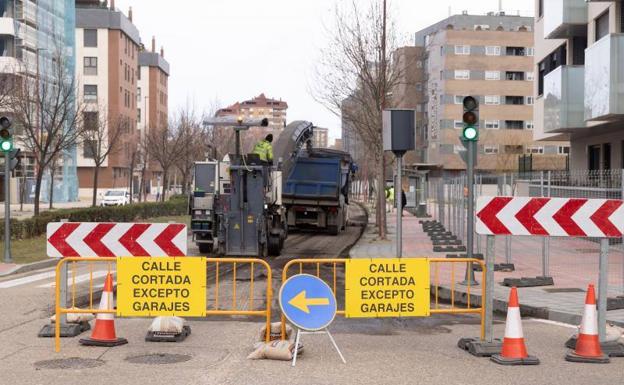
(35, 226)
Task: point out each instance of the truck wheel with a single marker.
(273, 245)
(204, 248)
(333, 230)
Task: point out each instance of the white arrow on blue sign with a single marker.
(307, 302)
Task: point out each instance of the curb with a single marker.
(30, 267)
(500, 306)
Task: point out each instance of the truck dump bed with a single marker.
(314, 178)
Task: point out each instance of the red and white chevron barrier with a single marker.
(87, 239)
(563, 217)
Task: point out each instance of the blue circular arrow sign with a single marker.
(307, 302)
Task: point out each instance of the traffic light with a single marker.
(14, 159)
(470, 119)
(6, 134)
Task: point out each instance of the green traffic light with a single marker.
(470, 133)
(6, 146)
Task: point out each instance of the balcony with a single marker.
(565, 18)
(7, 26)
(563, 99)
(604, 79)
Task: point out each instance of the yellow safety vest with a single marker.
(264, 150)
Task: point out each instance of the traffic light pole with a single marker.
(398, 201)
(7, 208)
(470, 185)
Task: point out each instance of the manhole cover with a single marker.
(158, 358)
(69, 363)
(564, 290)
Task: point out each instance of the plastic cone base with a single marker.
(528, 360)
(107, 343)
(573, 357)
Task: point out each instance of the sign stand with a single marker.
(324, 331)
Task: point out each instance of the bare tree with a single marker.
(100, 139)
(49, 115)
(193, 140)
(166, 146)
(133, 157)
(355, 77)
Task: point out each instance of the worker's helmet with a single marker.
(269, 138)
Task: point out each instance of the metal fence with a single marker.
(572, 262)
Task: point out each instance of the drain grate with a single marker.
(158, 358)
(69, 363)
(564, 290)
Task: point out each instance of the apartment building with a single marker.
(259, 107)
(320, 138)
(32, 34)
(107, 57)
(579, 51)
(152, 110)
(486, 56)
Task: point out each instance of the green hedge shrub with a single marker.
(35, 226)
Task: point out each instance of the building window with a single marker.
(514, 75)
(462, 50)
(490, 149)
(551, 62)
(458, 124)
(492, 75)
(535, 150)
(88, 148)
(515, 51)
(530, 76)
(514, 124)
(593, 157)
(419, 64)
(90, 120)
(529, 125)
(90, 37)
(90, 65)
(90, 93)
(139, 115)
(514, 99)
(462, 74)
(530, 51)
(602, 25)
(563, 150)
(492, 124)
(459, 99)
(540, 8)
(513, 149)
(530, 100)
(492, 50)
(419, 87)
(492, 99)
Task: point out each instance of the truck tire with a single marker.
(274, 245)
(204, 248)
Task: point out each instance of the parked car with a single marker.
(115, 198)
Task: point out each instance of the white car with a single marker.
(115, 198)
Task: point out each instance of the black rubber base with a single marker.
(92, 342)
(610, 348)
(528, 282)
(530, 360)
(504, 267)
(169, 337)
(67, 330)
(448, 249)
(572, 357)
(480, 348)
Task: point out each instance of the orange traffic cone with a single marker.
(104, 330)
(514, 351)
(587, 344)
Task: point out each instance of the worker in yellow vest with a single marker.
(264, 149)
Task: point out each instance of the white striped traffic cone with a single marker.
(514, 351)
(104, 329)
(588, 344)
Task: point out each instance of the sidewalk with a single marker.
(573, 264)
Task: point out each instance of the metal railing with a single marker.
(441, 278)
(217, 269)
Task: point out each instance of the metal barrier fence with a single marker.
(442, 276)
(217, 268)
(573, 260)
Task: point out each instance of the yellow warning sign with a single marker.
(387, 287)
(161, 286)
(236, 226)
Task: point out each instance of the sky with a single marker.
(224, 51)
